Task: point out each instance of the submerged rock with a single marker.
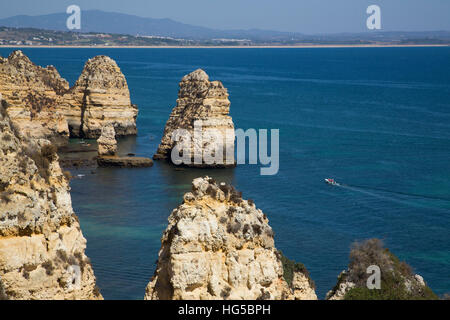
(42, 248)
(124, 162)
(219, 246)
(204, 103)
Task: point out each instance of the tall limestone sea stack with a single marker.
(42, 248)
(206, 103)
(41, 104)
(219, 246)
(100, 97)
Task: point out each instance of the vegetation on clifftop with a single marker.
(398, 282)
(290, 267)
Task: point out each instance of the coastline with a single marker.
(158, 200)
(238, 47)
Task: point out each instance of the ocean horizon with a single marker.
(375, 119)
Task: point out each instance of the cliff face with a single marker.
(200, 100)
(41, 104)
(100, 97)
(219, 246)
(32, 94)
(42, 249)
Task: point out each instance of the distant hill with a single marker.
(96, 21)
(119, 23)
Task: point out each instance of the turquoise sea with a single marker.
(375, 119)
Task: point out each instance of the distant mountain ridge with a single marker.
(119, 23)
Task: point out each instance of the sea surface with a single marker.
(375, 119)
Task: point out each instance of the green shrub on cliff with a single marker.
(6, 138)
(398, 281)
(42, 157)
(290, 267)
(49, 152)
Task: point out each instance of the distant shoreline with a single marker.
(236, 47)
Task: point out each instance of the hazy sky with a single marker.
(306, 16)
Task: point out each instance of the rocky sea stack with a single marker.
(200, 100)
(42, 248)
(107, 143)
(42, 105)
(219, 246)
(100, 97)
(107, 152)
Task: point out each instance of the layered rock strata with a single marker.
(32, 96)
(202, 112)
(219, 246)
(100, 97)
(42, 248)
(107, 143)
(41, 104)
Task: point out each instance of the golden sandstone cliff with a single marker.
(33, 94)
(100, 97)
(204, 104)
(42, 249)
(41, 104)
(216, 246)
(219, 246)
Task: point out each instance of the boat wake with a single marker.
(360, 188)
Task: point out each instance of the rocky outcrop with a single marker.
(203, 103)
(124, 162)
(107, 143)
(100, 97)
(107, 152)
(342, 286)
(42, 106)
(31, 95)
(219, 246)
(302, 287)
(397, 281)
(42, 248)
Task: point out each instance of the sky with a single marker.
(304, 16)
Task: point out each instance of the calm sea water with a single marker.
(377, 120)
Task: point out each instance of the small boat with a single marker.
(331, 181)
